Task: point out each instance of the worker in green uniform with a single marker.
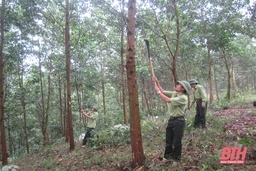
(91, 123)
(200, 98)
(177, 103)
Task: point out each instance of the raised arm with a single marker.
(85, 114)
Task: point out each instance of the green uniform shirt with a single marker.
(199, 93)
(178, 103)
(91, 122)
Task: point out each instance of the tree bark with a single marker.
(145, 97)
(42, 112)
(233, 76)
(216, 85)
(2, 127)
(23, 104)
(60, 104)
(174, 64)
(229, 75)
(123, 67)
(103, 85)
(210, 71)
(67, 51)
(135, 129)
(208, 45)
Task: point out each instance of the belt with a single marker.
(197, 100)
(181, 118)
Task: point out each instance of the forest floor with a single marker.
(201, 149)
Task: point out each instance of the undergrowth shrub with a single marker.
(219, 105)
(48, 163)
(119, 135)
(113, 136)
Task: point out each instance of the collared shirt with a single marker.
(176, 108)
(91, 122)
(199, 93)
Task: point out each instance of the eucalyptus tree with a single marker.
(67, 53)
(226, 14)
(111, 16)
(122, 4)
(248, 26)
(53, 33)
(2, 126)
(18, 21)
(244, 54)
(202, 29)
(135, 128)
(165, 23)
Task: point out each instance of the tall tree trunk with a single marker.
(67, 51)
(48, 99)
(2, 127)
(135, 129)
(229, 76)
(243, 79)
(210, 71)
(123, 66)
(145, 97)
(60, 103)
(23, 104)
(42, 111)
(254, 80)
(173, 56)
(65, 115)
(103, 85)
(79, 103)
(216, 86)
(208, 45)
(233, 76)
(174, 64)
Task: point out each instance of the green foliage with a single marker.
(219, 105)
(109, 137)
(246, 141)
(48, 163)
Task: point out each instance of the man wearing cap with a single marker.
(177, 103)
(91, 123)
(201, 103)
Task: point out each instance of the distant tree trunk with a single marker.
(145, 97)
(216, 86)
(243, 78)
(79, 104)
(67, 51)
(233, 77)
(60, 103)
(2, 127)
(229, 76)
(254, 80)
(103, 85)
(123, 66)
(23, 104)
(208, 45)
(138, 156)
(42, 113)
(210, 71)
(173, 56)
(243, 86)
(247, 82)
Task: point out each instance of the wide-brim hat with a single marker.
(186, 86)
(95, 108)
(193, 81)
